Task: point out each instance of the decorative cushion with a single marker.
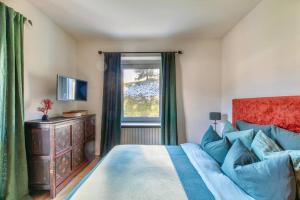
(228, 128)
(238, 154)
(209, 136)
(253, 177)
(246, 137)
(262, 145)
(271, 179)
(295, 157)
(242, 125)
(288, 140)
(218, 149)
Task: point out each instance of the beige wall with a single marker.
(48, 51)
(261, 55)
(198, 77)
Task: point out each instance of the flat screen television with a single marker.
(71, 89)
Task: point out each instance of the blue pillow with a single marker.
(246, 137)
(228, 128)
(271, 179)
(288, 140)
(295, 157)
(209, 136)
(238, 154)
(242, 125)
(218, 149)
(262, 145)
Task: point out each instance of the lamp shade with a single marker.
(215, 116)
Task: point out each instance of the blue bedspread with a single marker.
(192, 183)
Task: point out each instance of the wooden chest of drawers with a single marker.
(55, 150)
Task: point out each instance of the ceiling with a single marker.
(146, 18)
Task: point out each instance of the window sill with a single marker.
(139, 125)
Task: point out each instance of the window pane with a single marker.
(141, 92)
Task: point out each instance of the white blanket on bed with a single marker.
(219, 185)
(133, 172)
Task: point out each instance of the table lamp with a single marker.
(215, 116)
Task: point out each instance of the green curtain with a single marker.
(111, 107)
(168, 102)
(13, 165)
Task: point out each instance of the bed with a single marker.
(178, 172)
(157, 172)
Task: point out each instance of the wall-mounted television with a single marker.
(71, 89)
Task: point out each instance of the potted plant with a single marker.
(46, 106)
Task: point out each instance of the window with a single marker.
(141, 88)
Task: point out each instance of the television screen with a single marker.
(70, 89)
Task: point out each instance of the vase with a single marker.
(45, 118)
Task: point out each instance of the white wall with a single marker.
(198, 78)
(261, 54)
(48, 51)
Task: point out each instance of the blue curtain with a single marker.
(111, 108)
(169, 109)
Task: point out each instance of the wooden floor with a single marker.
(44, 195)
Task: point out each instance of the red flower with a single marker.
(46, 106)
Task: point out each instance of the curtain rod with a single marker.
(177, 52)
(30, 22)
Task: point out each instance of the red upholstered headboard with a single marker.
(281, 111)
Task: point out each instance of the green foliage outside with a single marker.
(141, 107)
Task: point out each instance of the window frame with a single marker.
(139, 120)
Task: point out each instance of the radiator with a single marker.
(141, 135)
